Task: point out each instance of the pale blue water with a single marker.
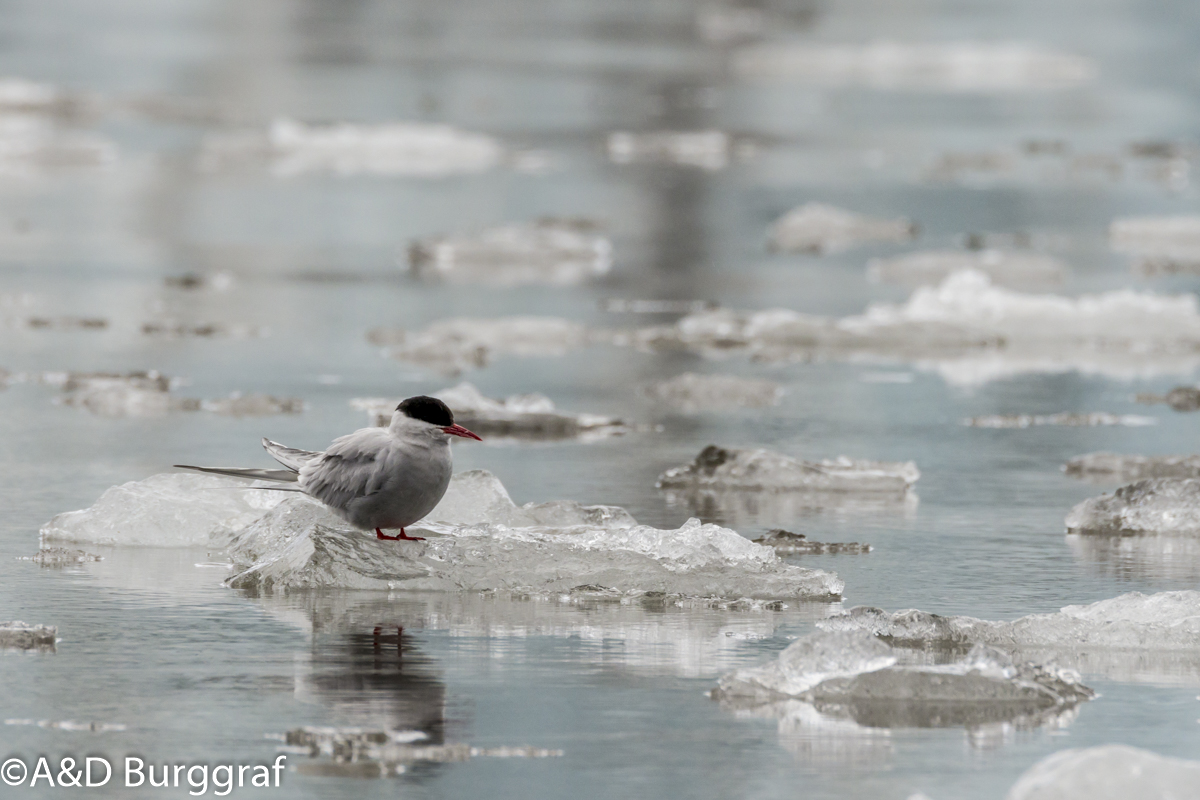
(201, 674)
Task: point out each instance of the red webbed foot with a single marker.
(403, 537)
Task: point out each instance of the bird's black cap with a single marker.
(427, 409)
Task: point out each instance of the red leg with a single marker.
(402, 537)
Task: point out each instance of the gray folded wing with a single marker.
(290, 457)
(356, 465)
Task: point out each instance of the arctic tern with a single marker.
(374, 478)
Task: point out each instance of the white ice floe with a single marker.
(453, 345)
(165, 510)
(1108, 772)
(709, 150)
(561, 252)
(175, 329)
(1124, 469)
(765, 470)
(854, 675)
(408, 149)
(1133, 637)
(20, 94)
(1003, 268)
(790, 543)
(820, 228)
(1154, 505)
(32, 143)
(478, 540)
(1161, 244)
(967, 330)
(522, 416)
(984, 67)
(19, 635)
(1092, 419)
(691, 393)
(148, 394)
(252, 405)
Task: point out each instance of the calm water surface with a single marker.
(198, 673)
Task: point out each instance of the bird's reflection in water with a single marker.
(377, 678)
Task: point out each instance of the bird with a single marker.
(374, 478)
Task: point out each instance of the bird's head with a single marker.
(429, 411)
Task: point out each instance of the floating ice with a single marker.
(31, 143)
(58, 556)
(396, 149)
(1166, 621)
(527, 416)
(1161, 244)
(765, 470)
(709, 150)
(561, 252)
(725, 22)
(66, 323)
(966, 329)
(1155, 505)
(1181, 398)
(23, 636)
(1108, 772)
(253, 405)
(691, 393)
(165, 510)
(853, 674)
(1122, 469)
(69, 725)
(299, 545)
(820, 228)
(19, 94)
(173, 329)
(789, 543)
(453, 345)
(1003, 268)
(944, 67)
(1069, 420)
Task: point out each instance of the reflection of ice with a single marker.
(1108, 772)
(967, 330)
(692, 392)
(561, 252)
(947, 67)
(398, 149)
(527, 416)
(1003, 268)
(1111, 467)
(453, 345)
(704, 149)
(1154, 505)
(820, 228)
(1133, 637)
(1145, 557)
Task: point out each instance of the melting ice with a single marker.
(454, 345)
(820, 228)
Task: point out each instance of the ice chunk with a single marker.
(165, 510)
(19, 635)
(453, 345)
(1154, 505)
(66, 323)
(853, 674)
(721, 468)
(966, 329)
(17, 94)
(31, 143)
(1065, 419)
(393, 149)
(121, 398)
(300, 545)
(478, 497)
(806, 663)
(1132, 634)
(1181, 398)
(528, 416)
(947, 67)
(175, 329)
(691, 393)
(69, 725)
(1003, 268)
(1122, 469)
(1108, 772)
(709, 150)
(253, 405)
(561, 252)
(59, 556)
(820, 228)
(790, 543)
(1161, 244)
(726, 22)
